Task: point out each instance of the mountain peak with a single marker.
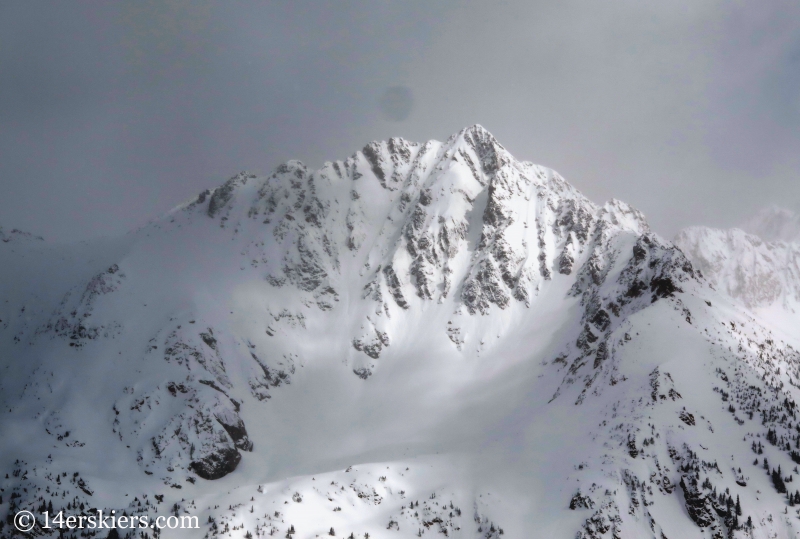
(752, 271)
(474, 130)
(774, 224)
(476, 138)
(620, 213)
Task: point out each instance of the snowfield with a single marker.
(421, 339)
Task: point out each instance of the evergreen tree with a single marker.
(738, 506)
(777, 480)
(772, 437)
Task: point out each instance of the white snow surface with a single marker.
(421, 339)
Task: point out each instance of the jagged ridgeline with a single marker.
(422, 338)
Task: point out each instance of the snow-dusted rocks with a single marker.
(15, 235)
(428, 221)
(198, 428)
(73, 318)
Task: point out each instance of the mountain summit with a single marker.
(774, 224)
(419, 339)
(760, 272)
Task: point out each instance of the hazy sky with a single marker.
(111, 113)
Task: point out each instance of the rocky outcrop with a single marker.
(204, 434)
(217, 464)
(580, 501)
(222, 195)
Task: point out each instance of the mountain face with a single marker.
(774, 224)
(420, 339)
(762, 275)
(756, 272)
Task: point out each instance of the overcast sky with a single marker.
(111, 113)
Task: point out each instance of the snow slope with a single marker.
(420, 339)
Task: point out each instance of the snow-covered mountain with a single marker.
(761, 274)
(774, 224)
(420, 339)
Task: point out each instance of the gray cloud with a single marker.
(111, 113)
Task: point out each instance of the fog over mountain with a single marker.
(419, 339)
(112, 111)
(775, 224)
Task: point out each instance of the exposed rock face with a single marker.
(217, 464)
(234, 426)
(222, 195)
